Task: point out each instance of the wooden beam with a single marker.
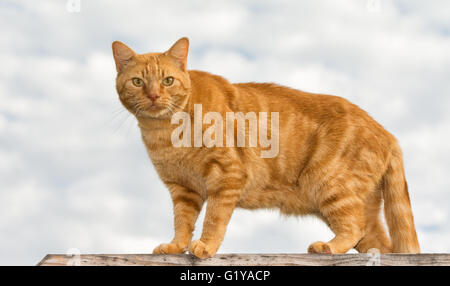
(248, 260)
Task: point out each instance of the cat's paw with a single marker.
(201, 249)
(169, 248)
(320, 247)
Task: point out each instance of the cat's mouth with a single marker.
(152, 110)
(154, 107)
(151, 106)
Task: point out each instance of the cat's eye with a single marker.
(167, 81)
(137, 81)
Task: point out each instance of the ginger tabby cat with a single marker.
(334, 160)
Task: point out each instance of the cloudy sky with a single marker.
(74, 173)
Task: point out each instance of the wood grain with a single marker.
(248, 260)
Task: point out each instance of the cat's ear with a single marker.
(122, 55)
(179, 52)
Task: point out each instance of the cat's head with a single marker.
(152, 85)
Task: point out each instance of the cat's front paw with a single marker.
(202, 250)
(320, 247)
(169, 248)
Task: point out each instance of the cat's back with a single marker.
(316, 108)
(208, 86)
(285, 99)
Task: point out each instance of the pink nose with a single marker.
(153, 96)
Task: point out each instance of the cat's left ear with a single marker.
(122, 55)
(179, 52)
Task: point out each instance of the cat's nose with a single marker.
(153, 96)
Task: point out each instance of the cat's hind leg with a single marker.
(374, 239)
(375, 236)
(345, 213)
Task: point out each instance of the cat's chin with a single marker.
(157, 112)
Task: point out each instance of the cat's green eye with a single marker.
(137, 81)
(167, 81)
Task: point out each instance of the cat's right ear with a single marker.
(122, 55)
(179, 52)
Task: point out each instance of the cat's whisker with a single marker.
(117, 118)
(175, 104)
(170, 109)
(122, 123)
(118, 110)
(138, 110)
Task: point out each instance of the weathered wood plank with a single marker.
(248, 260)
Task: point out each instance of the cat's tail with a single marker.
(397, 207)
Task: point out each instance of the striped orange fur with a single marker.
(334, 160)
